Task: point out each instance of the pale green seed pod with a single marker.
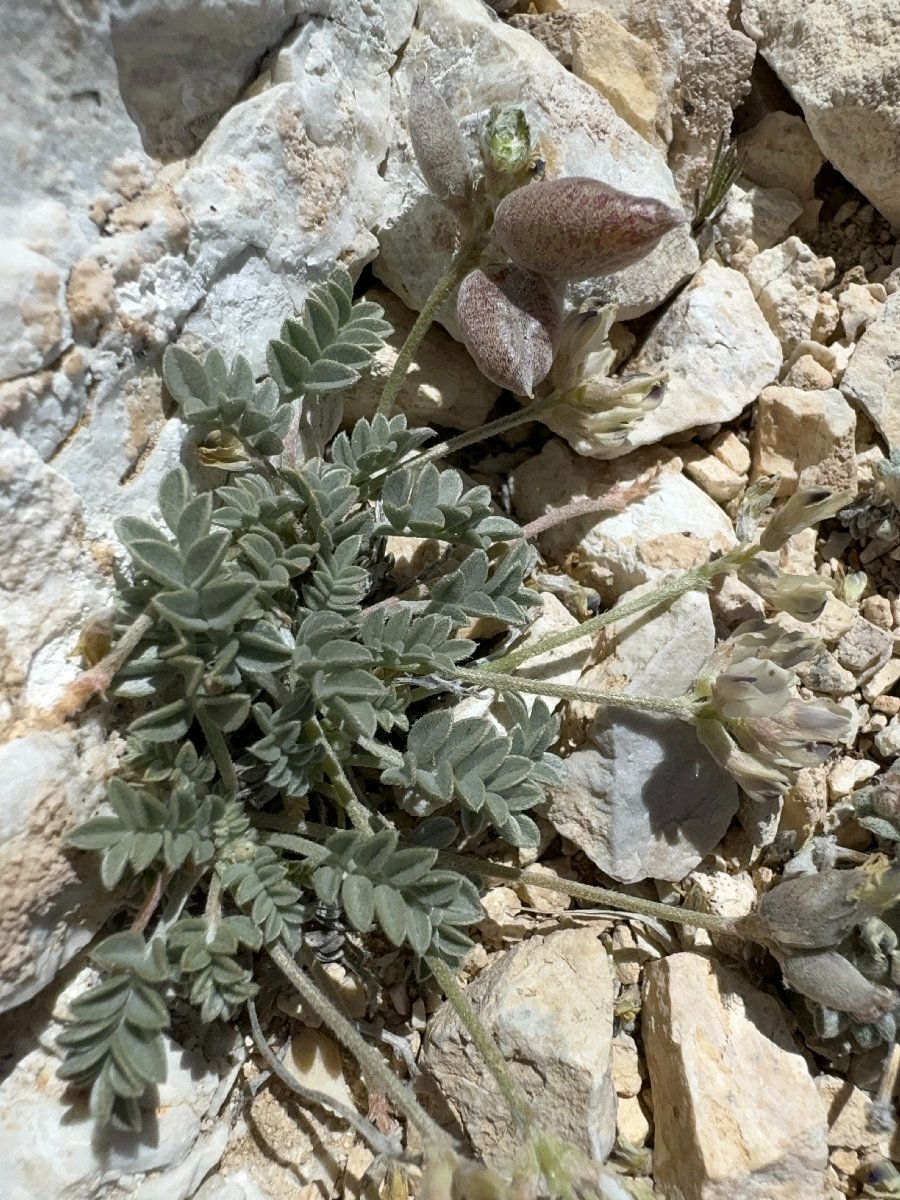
(576, 227)
(805, 508)
(510, 322)
(438, 146)
(812, 911)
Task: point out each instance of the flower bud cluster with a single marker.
(548, 233)
(749, 716)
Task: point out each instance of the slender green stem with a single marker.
(511, 421)
(592, 895)
(465, 258)
(678, 706)
(671, 589)
(379, 1074)
(512, 1093)
(359, 815)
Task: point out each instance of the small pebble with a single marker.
(848, 774)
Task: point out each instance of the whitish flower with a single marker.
(510, 322)
(806, 507)
(594, 409)
(576, 227)
(438, 145)
(749, 716)
(803, 596)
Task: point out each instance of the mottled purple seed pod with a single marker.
(438, 145)
(510, 321)
(576, 227)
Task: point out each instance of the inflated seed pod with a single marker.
(577, 227)
(830, 979)
(438, 145)
(510, 322)
(813, 911)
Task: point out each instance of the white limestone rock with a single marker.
(735, 1109)
(717, 349)
(642, 798)
(548, 1003)
(788, 284)
(477, 61)
(843, 75)
(34, 325)
(872, 379)
(752, 219)
(673, 527)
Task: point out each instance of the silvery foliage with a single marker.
(281, 674)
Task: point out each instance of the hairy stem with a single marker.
(593, 895)
(376, 1070)
(465, 258)
(359, 815)
(677, 706)
(484, 1043)
(97, 678)
(151, 902)
(699, 577)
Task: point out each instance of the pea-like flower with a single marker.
(575, 227)
(748, 714)
(510, 322)
(803, 596)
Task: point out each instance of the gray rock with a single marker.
(872, 379)
(843, 75)
(548, 1003)
(642, 798)
(476, 61)
(736, 1111)
(864, 648)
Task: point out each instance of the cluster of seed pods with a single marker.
(551, 231)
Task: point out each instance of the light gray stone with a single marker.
(548, 1003)
(642, 798)
(872, 379)
(843, 75)
(788, 283)
(780, 152)
(476, 61)
(807, 437)
(51, 904)
(673, 527)
(735, 1108)
(34, 324)
(717, 349)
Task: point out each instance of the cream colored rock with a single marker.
(539, 1000)
(807, 437)
(442, 387)
(314, 1060)
(715, 346)
(735, 1109)
(730, 450)
(673, 527)
(787, 283)
(625, 70)
(860, 304)
(847, 774)
(711, 474)
(632, 1123)
(843, 75)
(780, 152)
(872, 379)
(752, 219)
(808, 374)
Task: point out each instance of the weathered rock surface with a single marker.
(780, 152)
(735, 1109)
(642, 798)
(845, 80)
(788, 284)
(807, 437)
(872, 379)
(717, 349)
(477, 61)
(675, 526)
(549, 1005)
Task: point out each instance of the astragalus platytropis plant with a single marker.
(295, 753)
